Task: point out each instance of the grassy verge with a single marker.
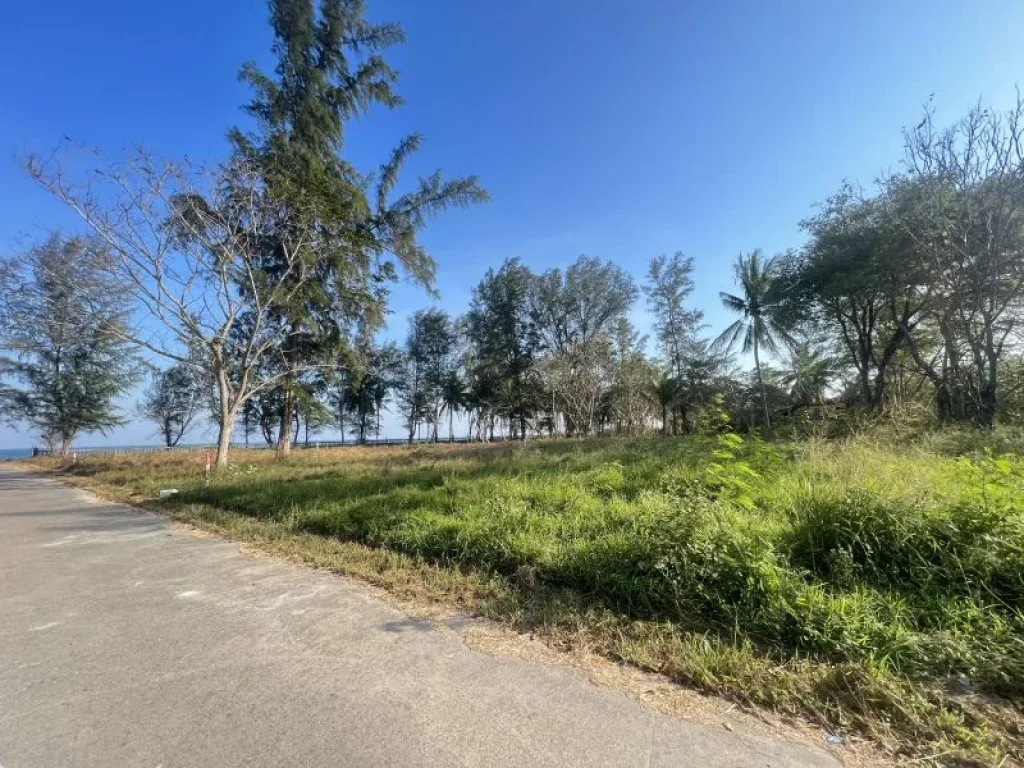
(873, 588)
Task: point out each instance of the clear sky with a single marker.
(620, 130)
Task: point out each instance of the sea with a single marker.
(10, 454)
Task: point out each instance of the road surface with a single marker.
(126, 643)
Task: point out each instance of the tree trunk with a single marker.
(284, 436)
(225, 418)
(760, 384)
(988, 395)
(224, 429)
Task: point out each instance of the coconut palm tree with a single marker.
(810, 373)
(454, 397)
(760, 306)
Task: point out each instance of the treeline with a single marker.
(905, 301)
(245, 276)
(262, 283)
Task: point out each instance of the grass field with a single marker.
(870, 586)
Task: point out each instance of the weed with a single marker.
(853, 581)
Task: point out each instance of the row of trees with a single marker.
(907, 294)
(262, 284)
(255, 272)
(927, 271)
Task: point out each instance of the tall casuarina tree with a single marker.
(760, 308)
(62, 343)
(330, 70)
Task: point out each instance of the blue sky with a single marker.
(618, 130)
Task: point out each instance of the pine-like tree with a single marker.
(505, 338)
(172, 402)
(62, 331)
(330, 70)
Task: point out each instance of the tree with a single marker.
(172, 401)
(578, 380)
(575, 315)
(970, 225)
(264, 262)
(363, 393)
(703, 379)
(669, 285)
(584, 304)
(248, 419)
(330, 70)
(861, 280)
(632, 397)
(505, 338)
(63, 332)
(429, 349)
(666, 394)
(453, 397)
(809, 374)
(189, 247)
(633, 394)
(760, 307)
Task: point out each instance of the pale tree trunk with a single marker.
(225, 426)
(224, 429)
(284, 437)
(226, 417)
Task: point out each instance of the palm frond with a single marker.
(734, 303)
(748, 338)
(727, 339)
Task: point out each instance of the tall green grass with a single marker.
(894, 569)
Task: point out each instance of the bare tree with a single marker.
(633, 396)
(191, 247)
(971, 228)
(578, 381)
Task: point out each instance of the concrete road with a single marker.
(126, 643)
